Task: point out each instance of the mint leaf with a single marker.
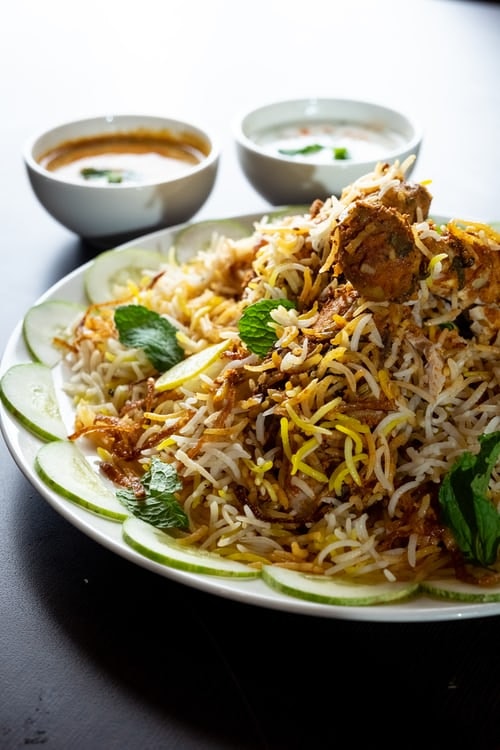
(140, 328)
(467, 510)
(254, 328)
(313, 148)
(158, 506)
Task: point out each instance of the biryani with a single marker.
(348, 401)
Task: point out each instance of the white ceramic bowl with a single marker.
(106, 213)
(362, 132)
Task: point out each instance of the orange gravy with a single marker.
(126, 158)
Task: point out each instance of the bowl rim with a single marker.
(201, 130)
(410, 144)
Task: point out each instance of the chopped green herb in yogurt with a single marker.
(339, 152)
(110, 175)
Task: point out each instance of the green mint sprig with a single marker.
(159, 506)
(467, 510)
(141, 328)
(255, 327)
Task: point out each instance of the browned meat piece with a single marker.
(471, 269)
(411, 199)
(377, 252)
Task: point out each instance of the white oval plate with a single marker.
(23, 447)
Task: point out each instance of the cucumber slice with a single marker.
(315, 588)
(199, 236)
(206, 361)
(159, 546)
(28, 393)
(106, 278)
(298, 210)
(46, 321)
(64, 468)
(458, 591)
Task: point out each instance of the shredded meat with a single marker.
(471, 269)
(316, 207)
(485, 323)
(369, 410)
(340, 301)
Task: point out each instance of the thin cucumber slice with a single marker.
(315, 588)
(64, 468)
(199, 236)
(459, 591)
(159, 546)
(108, 276)
(28, 393)
(298, 210)
(45, 322)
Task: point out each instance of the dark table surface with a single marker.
(95, 651)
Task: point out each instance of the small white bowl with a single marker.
(106, 213)
(362, 132)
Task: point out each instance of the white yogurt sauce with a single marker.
(361, 142)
